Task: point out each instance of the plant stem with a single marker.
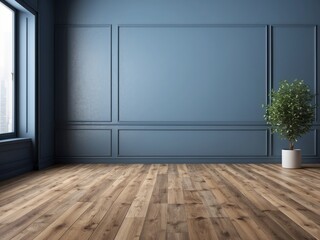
(291, 146)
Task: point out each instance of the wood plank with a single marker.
(113, 219)
(308, 220)
(201, 228)
(224, 228)
(162, 201)
(133, 223)
(160, 190)
(24, 219)
(59, 226)
(130, 229)
(163, 169)
(289, 226)
(63, 203)
(110, 224)
(155, 225)
(240, 215)
(175, 193)
(90, 219)
(139, 206)
(177, 219)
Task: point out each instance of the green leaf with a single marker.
(291, 112)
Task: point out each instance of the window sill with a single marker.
(13, 141)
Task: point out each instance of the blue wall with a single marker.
(178, 81)
(16, 157)
(45, 83)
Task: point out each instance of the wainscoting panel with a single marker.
(294, 54)
(83, 143)
(192, 73)
(192, 143)
(83, 64)
(176, 92)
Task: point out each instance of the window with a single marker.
(6, 70)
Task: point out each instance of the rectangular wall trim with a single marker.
(192, 143)
(295, 55)
(79, 34)
(84, 143)
(129, 72)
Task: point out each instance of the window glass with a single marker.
(6, 69)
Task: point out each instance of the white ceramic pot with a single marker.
(291, 158)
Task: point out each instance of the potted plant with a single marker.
(290, 114)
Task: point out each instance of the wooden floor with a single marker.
(203, 201)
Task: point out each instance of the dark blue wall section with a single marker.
(185, 73)
(16, 157)
(84, 143)
(174, 81)
(189, 143)
(84, 73)
(308, 143)
(46, 83)
(294, 53)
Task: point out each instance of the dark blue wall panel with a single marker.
(83, 68)
(33, 3)
(308, 144)
(294, 53)
(192, 143)
(16, 157)
(46, 84)
(84, 143)
(189, 73)
(171, 80)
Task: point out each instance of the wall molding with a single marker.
(193, 156)
(93, 26)
(212, 160)
(315, 57)
(204, 25)
(89, 156)
(266, 39)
